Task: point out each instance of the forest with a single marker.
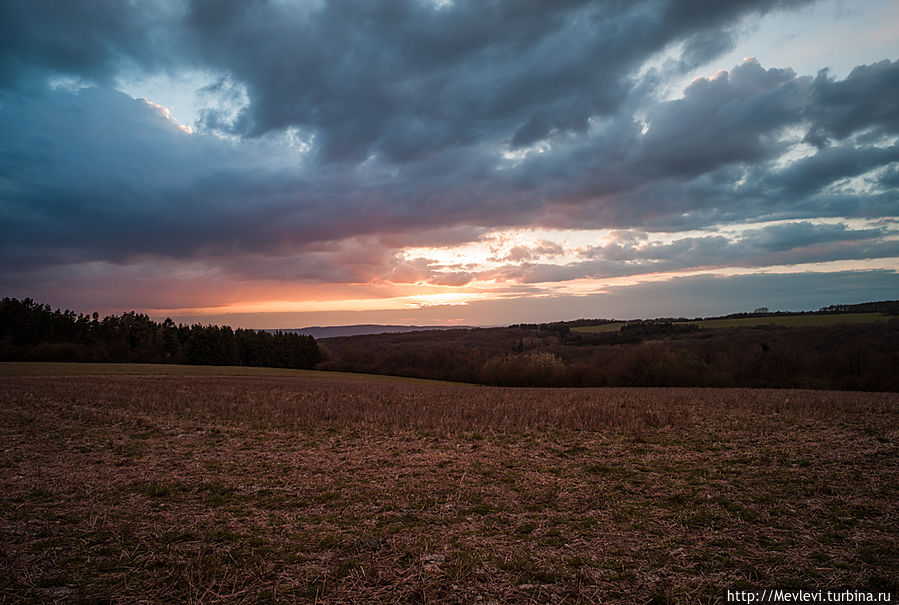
(640, 353)
(30, 331)
(656, 353)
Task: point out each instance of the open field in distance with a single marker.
(329, 488)
(788, 321)
(53, 368)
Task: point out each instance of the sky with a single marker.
(287, 163)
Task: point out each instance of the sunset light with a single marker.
(449, 301)
(477, 179)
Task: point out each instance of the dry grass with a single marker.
(333, 489)
(62, 368)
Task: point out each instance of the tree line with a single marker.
(30, 331)
(648, 353)
(640, 353)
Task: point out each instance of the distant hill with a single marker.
(843, 346)
(847, 347)
(318, 332)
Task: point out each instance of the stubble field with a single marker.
(305, 487)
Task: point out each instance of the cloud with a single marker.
(772, 245)
(119, 169)
(831, 164)
(402, 80)
(90, 40)
(539, 249)
(861, 101)
(726, 119)
(338, 134)
(456, 278)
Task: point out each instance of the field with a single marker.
(13, 369)
(291, 486)
(788, 321)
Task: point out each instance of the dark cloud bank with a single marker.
(419, 118)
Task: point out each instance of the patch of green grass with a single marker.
(525, 529)
(793, 321)
(787, 321)
(346, 567)
(126, 448)
(216, 493)
(528, 571)
(483, 508)
(461, 564)
(156, 489)
(222, 535)
(607, 470)
(176, 536)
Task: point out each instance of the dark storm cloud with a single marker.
(93, 174)
(865, 99)
(408, 109)
(403, 79)
(830, 164)
(789, 236)
(714, 156)
(724, 120)
(889, 178)
(97, 170)
(92, 40)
